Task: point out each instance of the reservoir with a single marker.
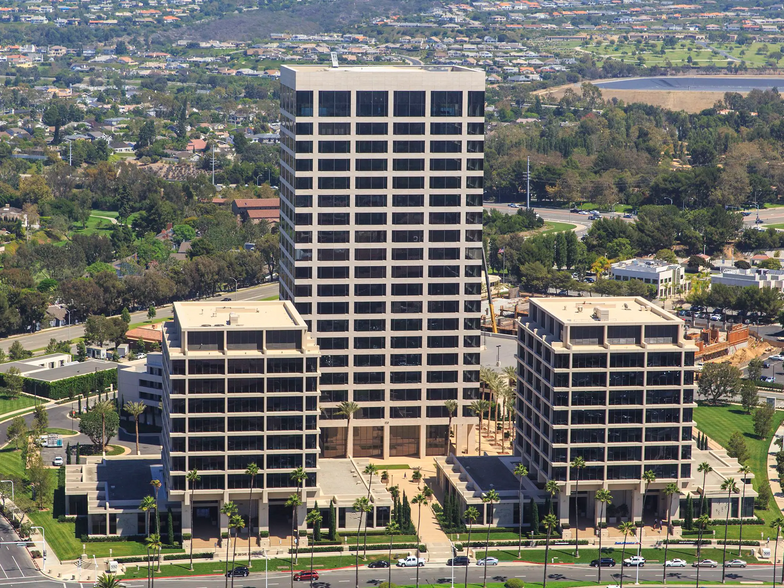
(695, 84)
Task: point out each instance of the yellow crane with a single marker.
(489, 295)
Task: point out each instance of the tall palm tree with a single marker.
(192, 477)
(488, 377)
(604, 497)
(498, 389)
(135, 409)
(370, 470)
(103, 408)
(551, 487)
(147, 504)
(361, 505)
(105, 581)
(153, 544)
(489, 497)
(671, 491)
(300, 476)
(778, 524)
(313, 519)
(550, 523)
(391, 529)
(478, 407)
(627, 528)
(745, 471)
(419, 500)
(521, 472)
(253, 471)
(702, 522)
(236, 523)
(508, 396)
(704, 468)
(578, 463)
(648, 477)
(510, 373)
(294, 502)
(732, 488)
(347, 409)
(451, 407)
(156, 487)
(229, 509)
(471, 515)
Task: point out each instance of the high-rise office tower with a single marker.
(381, 235)
(611, 381)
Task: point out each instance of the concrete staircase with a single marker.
(438, 552)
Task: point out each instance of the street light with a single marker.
(497, 355)
(43, 533)
(266, 559)
(235, 283)
(452, 567)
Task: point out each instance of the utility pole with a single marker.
(528, 185)
(213, 164)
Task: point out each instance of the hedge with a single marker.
(527, 542)
(171, 556)
(744, 542)
(69, 387)
(135, 538)
(370, 547)
(720, 522)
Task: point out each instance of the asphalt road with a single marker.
(41, 338)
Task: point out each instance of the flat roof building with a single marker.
(381, 235)
(668, 279)
(754, 277)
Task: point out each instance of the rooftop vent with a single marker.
(234, 318)
(601, 314)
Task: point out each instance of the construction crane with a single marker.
(489, 295)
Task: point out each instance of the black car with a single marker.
(382, 563)
(605, 562)
(460, 560)
(238, 572)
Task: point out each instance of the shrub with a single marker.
(423, 548)
(514, 583)
(263, 534)
(186, 536)
(173, 556)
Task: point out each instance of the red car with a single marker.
(306, 576)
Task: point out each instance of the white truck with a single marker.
(411, 562)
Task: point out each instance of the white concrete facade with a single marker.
(754, 277)
(668, 278)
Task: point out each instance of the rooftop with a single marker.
(754, 272)
(127, 479)
(380, 68)
(273, 314)
(54, 367)
(645, 265)
(620, 309)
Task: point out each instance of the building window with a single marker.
(412, 128)
(446, 103)
(368, 441)
(372, 103)
(334, 128)
(374, 128)
(409, 103)
(304, 103)
(476, 104)
(404, 441)
(334, 103)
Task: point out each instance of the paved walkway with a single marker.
(773, 477)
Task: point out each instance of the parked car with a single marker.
(628, 215)
(382, 563)
(411, 562)
(513, 205)
(488, 561)
(227, 299)
(758, 221)
(715, 317)
(777, 357)
(306, 576)
(239, 572)
(768, 379)
(675, 563)
(746, 213)
(736, 563)
(584, 212)
(604, 562)
(58, 461)
(460, 560)
(705, 563)
(635, 561)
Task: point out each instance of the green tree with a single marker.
(193, 478)
(391, 529)
(135, 409)
(578, 464)
(126, 316)
(420, 500)
(736, 447)
(146, 506)
(551, 487)
(235, 523)
(550, 523)
(754, 369)
(479, 407)
(763, 419)
(719, 381)
(604, 497)
(744, 470)
(314, 520)
(521, 472)
(253, 471)
(626, 528)
(332, 523)
(471, 515)
(40, 419)
(229, 509)
(108, 581)
(17, 351)
(361, 506)
(347, 409)
(17, 431)
(151, 313)
(731, 488)
(99, 426)
(13, 382)
(749, 398)
(778, 524)
(81, 351)
(451, 407)
(370, 471)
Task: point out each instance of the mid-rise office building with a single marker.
(240, 386)
(668, 279)
(381, 235)
(611, 381)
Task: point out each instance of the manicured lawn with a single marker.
(155, 321)
(95, 225)
(393, 466)
(775, 226)
(565, 554)
(719, 422)
(8, 404)
(276, 297)
(555, 227)
(63, 432)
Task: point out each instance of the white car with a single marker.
(490, 561)
(736, 563)
(777, 357)
(584, 212)
(513, 205)
(58, 461)
(675, 563)
(705, 563)
(634, 561)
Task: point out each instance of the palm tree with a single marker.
(604, 497)
(370, 470)
(156, 487)
(471, 514)
(236, 523)
(347, 409)
(510, 373)
(361, 505)
(745, 470)
(732, 488)
(253, 471)
(294, 502)
(578, 463)
(108, 582)
(702, 522)
(671, 491)
(299, 475)
(147, 504)
(551, 487)
(229, 509)
(497, 388)
(490, 497)
(627, 528)
(103, 408)
(451, 407)
(391, 529)
(156, 544)
(705, 469)
(550, 523)
(508, 395)
(153, 543)
(313, 519)
(135, 409)
(778, 524)
(648, 476)
(419, 500)
(478, 407)
(521, 472)
(192, 477)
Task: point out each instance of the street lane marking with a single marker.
(18, 566)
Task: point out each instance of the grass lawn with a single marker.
(556, 227)
(565, 554)
(154, 321)
(8, 404)
(94, 225)
(392, 466)
(276, 297)
(775, 226)
(719, 422)
(63, 432)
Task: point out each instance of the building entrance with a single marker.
(206, 524)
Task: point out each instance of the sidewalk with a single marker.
(773, 477)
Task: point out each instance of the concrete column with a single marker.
(422, 439)
(386, 441)
(563, 507)
(636, 510)
(350, 439)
